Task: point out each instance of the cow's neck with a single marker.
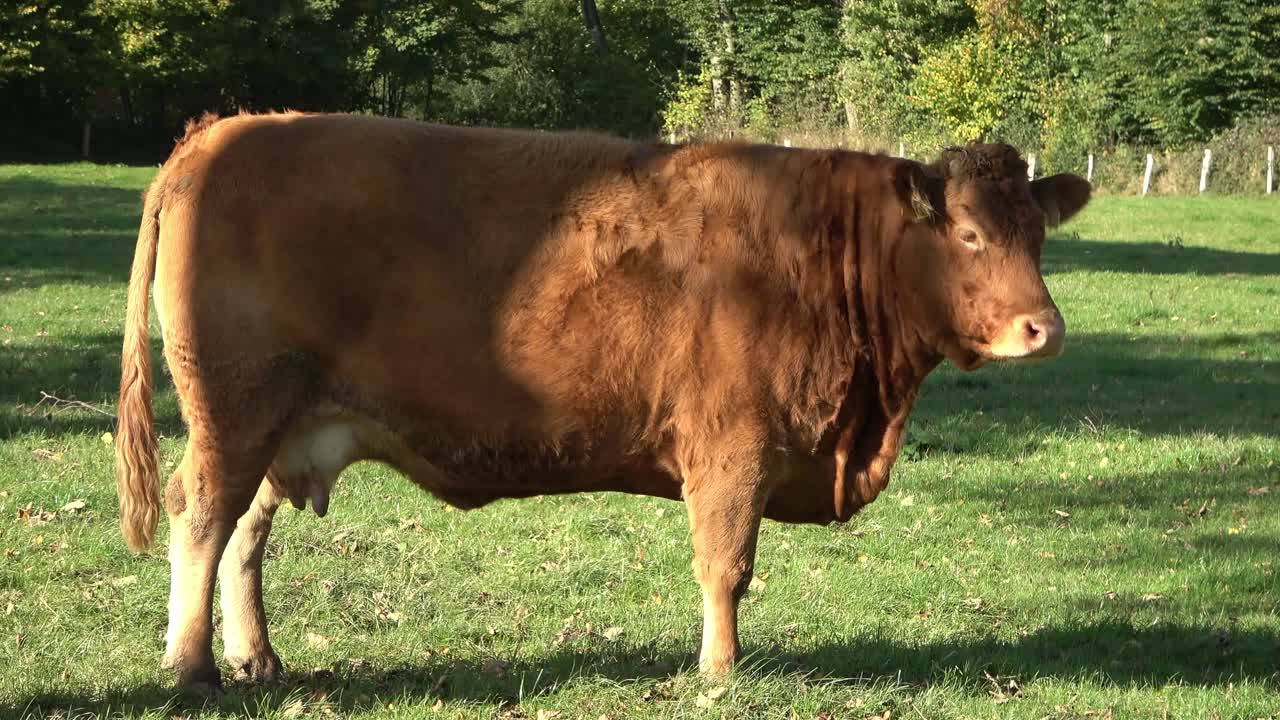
(886, 360)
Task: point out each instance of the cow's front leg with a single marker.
(726, 499)
(244, 631)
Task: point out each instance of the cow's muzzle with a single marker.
(1032, 336)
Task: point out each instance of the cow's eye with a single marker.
(970, 238)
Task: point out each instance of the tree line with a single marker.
(1060, 77)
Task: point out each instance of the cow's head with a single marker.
(969, 265)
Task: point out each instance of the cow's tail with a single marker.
(137, 448)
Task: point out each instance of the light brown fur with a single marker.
(501, 314)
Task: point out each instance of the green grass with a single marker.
(1100, 534)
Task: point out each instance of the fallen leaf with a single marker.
(1259, 491)
(317, 641)
(661, 691)
(1062, 513)
(35, 516)
(757, 585)
(106, 438)
(908, 501)
(612, 633)
(74, 506)
(126, 580)
(548, 714)
(1110, 595)
(1152, 597)
(294, 709)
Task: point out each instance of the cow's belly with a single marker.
(317, 448)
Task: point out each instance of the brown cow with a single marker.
(501, 314)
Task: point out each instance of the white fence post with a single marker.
(902, 149)
(1204, 169)
(1271, 166)
(786, 142)
(1089, 173)
(1031, 167)
(1146, 176)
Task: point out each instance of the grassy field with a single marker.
(1091, 538)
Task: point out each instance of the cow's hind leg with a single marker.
(246, 647)
(212, 488)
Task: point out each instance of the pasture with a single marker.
(1094, 537)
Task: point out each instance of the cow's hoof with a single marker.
(716, 668)
(262, 668)
(203, 679)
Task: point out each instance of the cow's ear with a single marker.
(1060, 196)
(920, 192)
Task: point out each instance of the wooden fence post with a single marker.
(1271, 166)
(1089, 173)
(1146, 176)
(1204, 169)
(1031, 167)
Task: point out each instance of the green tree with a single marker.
(553, 74)
(412, 47)
(1187, 68)
(884, 43)
(787, 55)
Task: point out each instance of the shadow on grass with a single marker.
(1151, 384)
(1107, 654)
(52, 233)
(82, 368)
(1170, 256)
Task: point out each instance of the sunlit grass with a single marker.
(1096, 534)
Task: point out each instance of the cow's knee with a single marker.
(726, 579)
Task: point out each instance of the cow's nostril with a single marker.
(1035, 335)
